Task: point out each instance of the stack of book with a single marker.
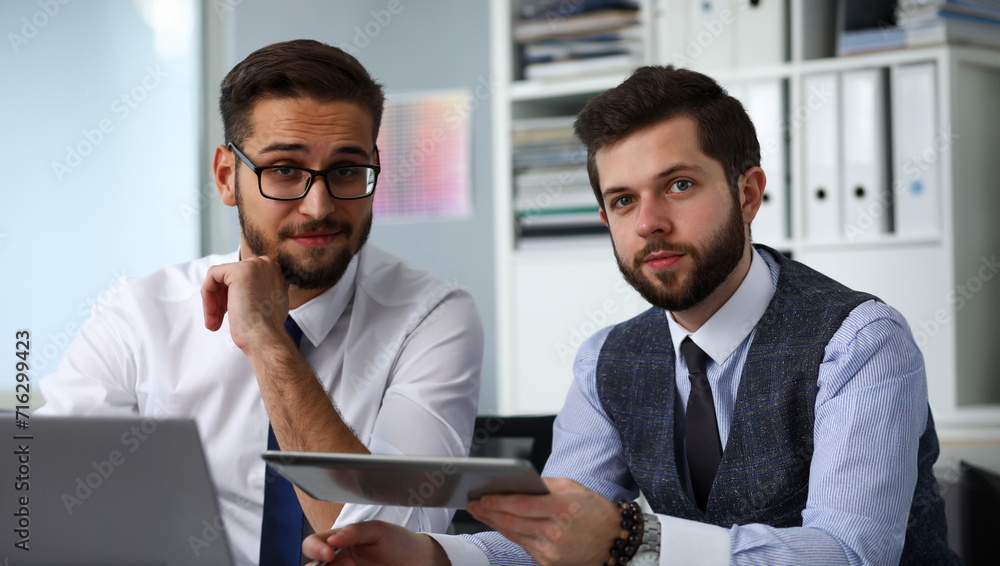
(919, 23)
(929, 22)
(552, 194)
(567, 39)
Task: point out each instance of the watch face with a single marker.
(645, 558)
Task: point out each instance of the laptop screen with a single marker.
(107, 491)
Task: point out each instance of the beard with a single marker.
(711, 266)
(319, 270)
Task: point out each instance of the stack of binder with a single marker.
(846, 161)
(872, 154)
(566, 39)
(552, 193)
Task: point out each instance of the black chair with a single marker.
(526, 437)
(979, 493)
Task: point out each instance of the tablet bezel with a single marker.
(408, 481)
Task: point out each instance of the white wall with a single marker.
(415, 47)
(100, 160)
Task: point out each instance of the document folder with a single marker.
(765, 103)
(709, 42)
(867, 199)
(916, 147)
(820, 122)
(752, 47)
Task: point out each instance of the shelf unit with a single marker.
(550, 296)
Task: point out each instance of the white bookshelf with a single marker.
(545, 291)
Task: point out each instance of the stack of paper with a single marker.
(566, 39)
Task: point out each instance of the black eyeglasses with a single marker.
(284, 182)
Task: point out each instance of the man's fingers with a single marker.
(317, 546)
(214, 298)
(323, 545)
(509, 524)
(535, 506)
(365, 532)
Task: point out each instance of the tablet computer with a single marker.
(408, 481)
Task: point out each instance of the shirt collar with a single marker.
(317, 317)
(730, 325)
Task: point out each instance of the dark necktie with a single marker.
(701, 431)
(281, 527)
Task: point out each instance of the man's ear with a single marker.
(224, 172)
(604, 217)
(751, 192)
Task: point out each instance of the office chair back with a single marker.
(526, 437)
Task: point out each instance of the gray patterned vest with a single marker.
(764, 473)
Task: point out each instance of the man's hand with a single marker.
(255, 294)
(571, 525)
(374, 543)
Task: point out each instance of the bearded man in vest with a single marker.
(795, 429)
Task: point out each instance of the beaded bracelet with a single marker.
(628, 538)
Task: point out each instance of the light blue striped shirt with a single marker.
(871, 409)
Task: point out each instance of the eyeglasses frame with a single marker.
(258, 170)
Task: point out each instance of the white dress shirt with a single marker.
(871, 409)
(398, 350)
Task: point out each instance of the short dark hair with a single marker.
(653, 94)
(295, 69)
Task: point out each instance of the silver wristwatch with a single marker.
(648, 553)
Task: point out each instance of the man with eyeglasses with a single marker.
(306, 338)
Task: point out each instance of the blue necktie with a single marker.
(281, 528)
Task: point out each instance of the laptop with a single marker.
(107, 491)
